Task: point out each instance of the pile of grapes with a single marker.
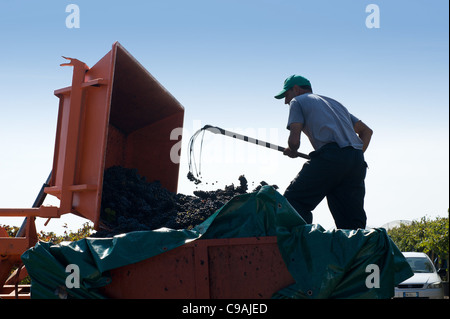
(131, 203)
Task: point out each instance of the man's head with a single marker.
(294, 85)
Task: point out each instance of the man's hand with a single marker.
(288, 152)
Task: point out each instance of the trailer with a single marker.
(116, 113)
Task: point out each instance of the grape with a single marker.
(130, 203)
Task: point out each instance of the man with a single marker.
(337, 168)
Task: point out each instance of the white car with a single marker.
(426, 282)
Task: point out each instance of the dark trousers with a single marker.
(337, 174)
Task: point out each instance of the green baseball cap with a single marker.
(290, 82)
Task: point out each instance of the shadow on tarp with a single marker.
(323, 263)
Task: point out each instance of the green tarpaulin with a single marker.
(324, 264)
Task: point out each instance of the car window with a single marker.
(420, 265)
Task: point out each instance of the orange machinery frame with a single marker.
(115, 113)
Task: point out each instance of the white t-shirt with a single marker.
(324, 121)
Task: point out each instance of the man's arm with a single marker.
(294, 140)
(364, 132)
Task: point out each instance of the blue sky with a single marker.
(224, 61)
